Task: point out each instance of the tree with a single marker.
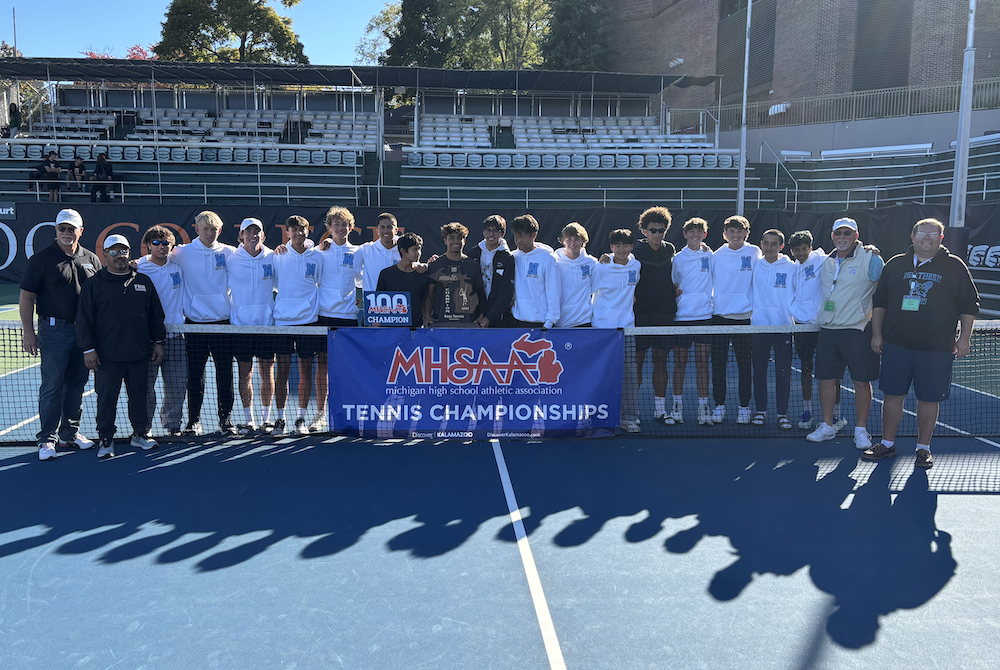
(576, 38)
(379, 33)
(139, 52)
(243, 31)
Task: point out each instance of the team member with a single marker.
(849, 277)
(614, 286)
(692, 276)
(575, 268)
(168, 278)
(405, 276)
(732, 274)
(51, 282)
(808, 291)
(297, 278)
(250, 272)
(119, 322)
(920, 296)
(497, 265)
(536, 280)
(772, 294)
(456, 295)
(206, 301)
(382, 253)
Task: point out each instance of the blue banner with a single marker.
(475, 383)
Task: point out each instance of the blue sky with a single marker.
(60, 29)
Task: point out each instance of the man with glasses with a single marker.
(52, 282)
(497, 265)
(849, 276)
(119, 326)
(921, 295)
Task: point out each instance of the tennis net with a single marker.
(973, 408)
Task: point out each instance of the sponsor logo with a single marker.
(984, 256)
(8, 210)
(140, 288)
(535, 362)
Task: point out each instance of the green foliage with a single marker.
(244, 31)
(379, 33)
(576, 39)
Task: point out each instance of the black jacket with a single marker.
(502, 292)
(945, 290)
(120, 316)
(655, 296)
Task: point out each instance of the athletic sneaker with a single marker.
(677, 415)
(719, 414)
(106, 448)
(924, 459)
(318, 424)
(664, 418)
(173, 431)
(823, 432)
(839, 422)
(279, 427)
(226, 427)
(704, 415)
(192, 428)
(46, 451)
(862, 440)
(268, 427)
(144, 442)
(631, 425)
(245, 428)
(744, 415)
(878, 451)
(805, 421)
(300, 426)
(80, 442)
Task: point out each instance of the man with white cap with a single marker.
(119, 326)
(849, 277)
(51, 283)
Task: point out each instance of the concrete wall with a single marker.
(941, 129)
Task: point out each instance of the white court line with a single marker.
(552, 648)
(27, 421)
(14, 372)
(989, 442)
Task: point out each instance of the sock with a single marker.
(888, 443)
(265, 414)
(703, 401)
(661, 404)
(836, 412)
(860, 429)
(301, 412)
(281, 413)
(809, 406)
(924, 446)
(248, 415)
(678, 401)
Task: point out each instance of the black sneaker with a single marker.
(106, 448)
(244, 429)
(300, 426)
(924, 459)
(226, 427)
(192, 428)
(878, 451)
(279, 427)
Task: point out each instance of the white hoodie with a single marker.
(251, 287)
(692, 273)
(536, 286)
(574, 288)
(206, 286)
(376, 258)
(773, 292)
(169, 282)
(342, 268)
(614, 291)
(808, 288)
(297, 278)
(732, 273)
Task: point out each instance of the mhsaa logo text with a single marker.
(535, 362)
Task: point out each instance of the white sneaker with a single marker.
(143, 442)
(744, 415)
(46, 451)
(677, 415)
(630, 425)
(107, 449)
(81, 441)
(823, 432)
(862, 440)
(704, 415)
(838, 423)
(719, 414)
(318, 424)
(300, 426)
(664, 418)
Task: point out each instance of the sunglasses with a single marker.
(656, 231)
(115, 253)
(847, 232)
(65, 229)
(160, 243)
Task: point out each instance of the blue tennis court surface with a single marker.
(645, 553)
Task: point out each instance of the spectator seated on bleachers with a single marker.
(103, 174)
(76, 175)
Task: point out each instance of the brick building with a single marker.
(801, 48)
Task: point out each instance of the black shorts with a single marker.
(685, 341)
(306, 346)
(850, 348)
(246, 346)
(336, 322)
(928, 371)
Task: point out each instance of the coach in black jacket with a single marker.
(119, 321)
(497, 265)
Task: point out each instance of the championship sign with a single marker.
(481, 384)
(388, 308)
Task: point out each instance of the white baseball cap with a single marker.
(846, 223)
(251, 222)
(112, 240)
(70, 216)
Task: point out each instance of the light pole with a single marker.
(741, 186)
(959, 185)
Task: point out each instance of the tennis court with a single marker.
(645, 553)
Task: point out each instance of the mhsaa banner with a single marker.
(480, 384)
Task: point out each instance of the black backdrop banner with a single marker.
(888, 228)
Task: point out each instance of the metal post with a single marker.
(741, 185)
(959, 185)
